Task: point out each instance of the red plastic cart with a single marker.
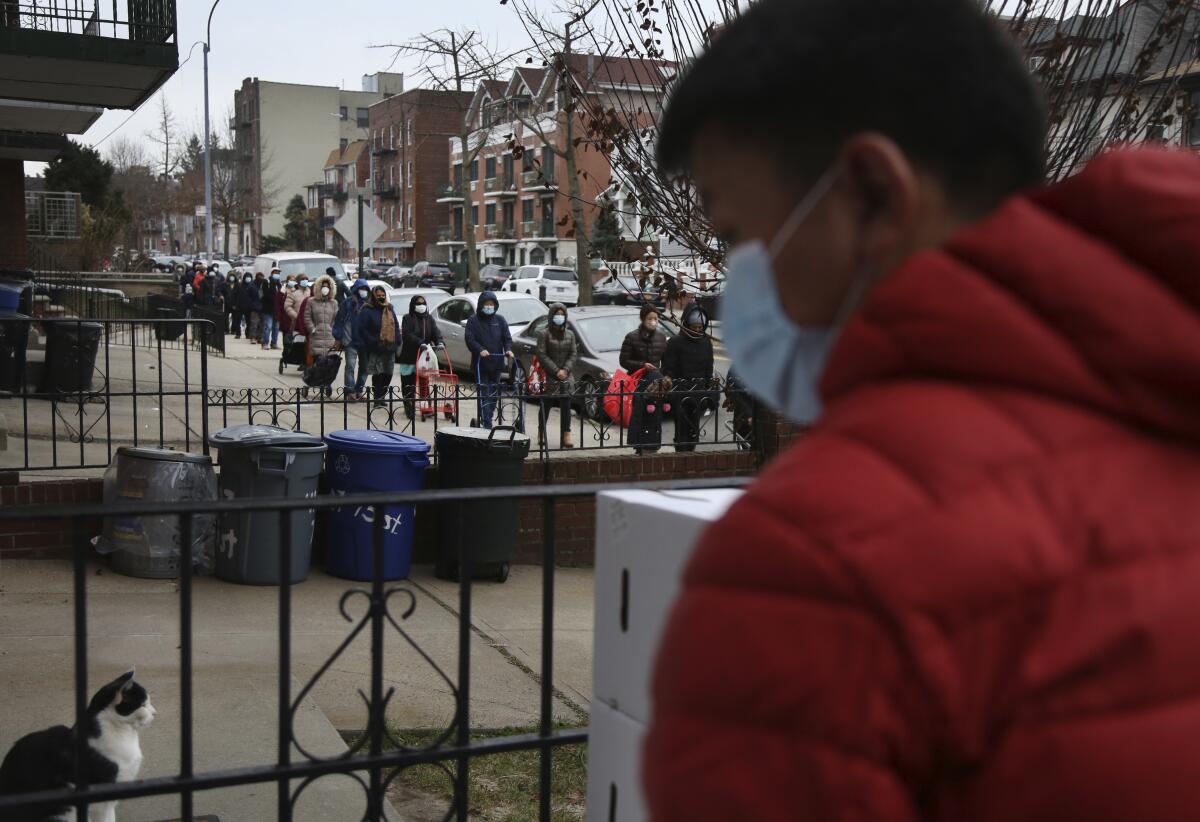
(436, 387)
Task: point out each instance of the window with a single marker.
(491, 168)
(527, 160)
(408, 219)
(508, 166)
(343, 113)
(1193, 131)
(363, 116)
(410, 131)
(392, 133)
(474, 170)
(410, 174)
(455, 311)
(491, 213)
(548, 213)
(1156, 133)
(506, 212)
(342, 143)
(527, 211)
(474, 215)
(458, 175)
(537, 327)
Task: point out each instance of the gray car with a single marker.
(452, 315)
(400, 299)
(599, 330)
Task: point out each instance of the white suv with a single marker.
(561, 283)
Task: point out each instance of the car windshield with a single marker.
(563, 274)
(519, 312)
(605, 334)
(437, 270)
(312, 268)
(625, 283)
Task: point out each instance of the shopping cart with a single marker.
(509, 396)
(294, 351)
(436, 387)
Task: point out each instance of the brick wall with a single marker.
(46, 538)
(575, 518)
(13, 252)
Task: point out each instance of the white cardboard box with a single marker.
(614, 792)
(643, 542)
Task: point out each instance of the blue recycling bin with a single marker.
(363, 462)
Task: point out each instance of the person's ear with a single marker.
(883, 188)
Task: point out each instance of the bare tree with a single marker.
(125, 152)
(165, 137)
(459, 61)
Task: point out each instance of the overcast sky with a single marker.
(318, 42)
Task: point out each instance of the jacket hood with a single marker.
(360, 283)
(689, 316)
(483, 298)
(323, 280)
(554, 307)
(412, 304)
(1085, 292)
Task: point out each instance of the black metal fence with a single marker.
(151, 21)
(377, 758)
(98, 384)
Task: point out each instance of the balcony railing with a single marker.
(387, 193)
(538, 179)
(146, 21)
(326, 189)
(503, 184)
(499, 231)
(328, 220)
(52, 215)
(450, 192)
(379, 151)
(449, 234)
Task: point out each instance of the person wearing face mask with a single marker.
(642, 350)
(557, 352)
(490, 343)
(969, 591)
(643, 347)
(295, 298)
(246, 304)
(376, 340)
(688, 361)
(272, 299)
(344, 331)
(417, 329)
(255, 324)
(318, 314)
(229, 285)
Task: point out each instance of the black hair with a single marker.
(647, 310)
(941, 78)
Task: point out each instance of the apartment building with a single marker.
(519, 200)
(409, 152)
(283, 134)
(61, 65)
(347, 175)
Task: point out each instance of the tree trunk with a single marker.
(473, 282)
(583, 264)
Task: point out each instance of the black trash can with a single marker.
(70, 356)
(477, 458)
(263, 462)
(14, 338)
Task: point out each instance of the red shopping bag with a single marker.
(535, 381)
(618, 400)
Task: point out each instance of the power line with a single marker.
(191, 53)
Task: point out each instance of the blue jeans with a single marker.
(354, 376)
(488, 390)
(270, 329)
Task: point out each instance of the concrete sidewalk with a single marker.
(235, 667)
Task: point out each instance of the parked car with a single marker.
(169, 263)
(561, 283)
(351, 269)
(299, 262)
(434, 297)
(374, 270)
(624, 289)
(599, 331)
(493, 276)
(430, 275)
(396, 274)
(452, 315)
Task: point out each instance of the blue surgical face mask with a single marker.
(778, 360)
(274, 278)
(304, 283)
(559, 319)
(488, 310)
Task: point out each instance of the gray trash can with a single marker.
(264, 462)
(151, 547)
(478, 458)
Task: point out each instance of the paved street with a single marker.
(134, 622)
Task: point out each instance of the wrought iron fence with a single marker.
(150, 21)
(99, 384)
(378, 757)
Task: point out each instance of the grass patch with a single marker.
(503, 786)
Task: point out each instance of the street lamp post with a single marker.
(208, 222)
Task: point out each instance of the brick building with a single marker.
(518, 203)
(347, 175)
(409, 153)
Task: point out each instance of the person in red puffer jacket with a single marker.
(971, 592)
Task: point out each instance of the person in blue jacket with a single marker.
(377, 338)
(344, 333)
(490, 344)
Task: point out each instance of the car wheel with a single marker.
(592, 402)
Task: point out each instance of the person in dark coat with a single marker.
(229, 287)
(557, 351)
(643, 347)
(417, 329)
(377, 336)
(490, 344)
(272, 292)
(688, 362)
(344, 330)
(245, 303)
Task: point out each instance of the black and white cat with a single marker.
(42, 761)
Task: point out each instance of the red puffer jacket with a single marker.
(973, 592)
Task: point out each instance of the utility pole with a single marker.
(360, 235)
(208, 228)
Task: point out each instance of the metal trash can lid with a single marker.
(250, 436)
(373, 441)
(162, 454)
